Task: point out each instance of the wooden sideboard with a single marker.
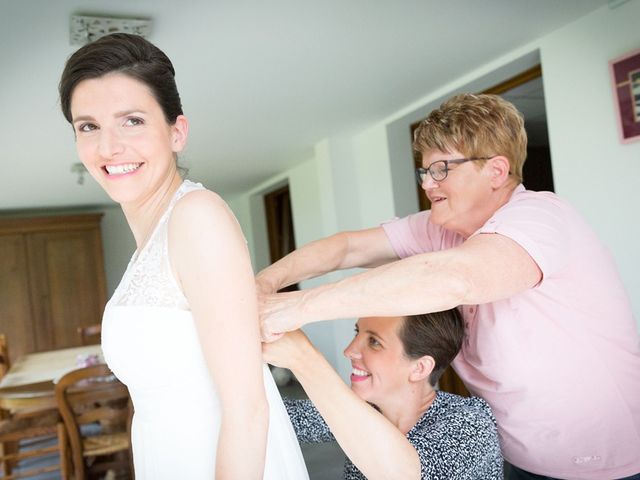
(51, 280)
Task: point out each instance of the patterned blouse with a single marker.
(456, 438)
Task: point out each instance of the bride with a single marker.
(181, 329)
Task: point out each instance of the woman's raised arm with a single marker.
(372, 443)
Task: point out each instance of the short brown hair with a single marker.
(476, 126)
(438, 335)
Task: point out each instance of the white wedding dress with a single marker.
(150, 342)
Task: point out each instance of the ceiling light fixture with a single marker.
(80, 170)
(85, 29)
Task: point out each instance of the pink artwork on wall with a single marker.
(625, 76)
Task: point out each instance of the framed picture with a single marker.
(625, 76)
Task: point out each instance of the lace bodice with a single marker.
(148, 280)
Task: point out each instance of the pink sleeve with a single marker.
(408, 235)
(539, 223)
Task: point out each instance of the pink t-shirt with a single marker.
(559, 363)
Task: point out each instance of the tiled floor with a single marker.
(324, 460)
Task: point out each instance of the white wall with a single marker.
(118, 245)
(311, 186)
(357, 181)
(592, 169)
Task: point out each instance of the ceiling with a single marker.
(261, 82)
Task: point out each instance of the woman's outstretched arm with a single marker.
(209, 255)
(485, 268)
(363, 248)
(372, 443)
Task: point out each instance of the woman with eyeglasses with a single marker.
(392, 423)
(552, 343)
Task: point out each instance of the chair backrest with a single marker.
(90, 334)
(29, 438)
(4, 355)
(92, 395)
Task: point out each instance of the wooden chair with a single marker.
(90, 334)
(5, 364)
(96, 411)
(29, 435)
(34, 438)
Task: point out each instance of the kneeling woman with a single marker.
(413, 431)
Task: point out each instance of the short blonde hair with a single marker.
(476, 126)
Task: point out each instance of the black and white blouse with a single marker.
(456, 438)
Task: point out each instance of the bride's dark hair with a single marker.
(127, 54)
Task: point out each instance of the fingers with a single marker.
(278, 312)
(267, 332)
(268, 337)
(292, 350)
(274, 352)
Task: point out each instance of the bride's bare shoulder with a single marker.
(202, 209)
(203, 232)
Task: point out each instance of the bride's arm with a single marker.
(209, 255)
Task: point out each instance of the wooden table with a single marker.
(30, 382)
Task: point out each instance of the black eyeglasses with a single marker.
(440, 169)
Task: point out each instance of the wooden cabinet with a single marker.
(51, 280)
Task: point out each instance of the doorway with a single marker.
(526, 92)
(277, 205)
